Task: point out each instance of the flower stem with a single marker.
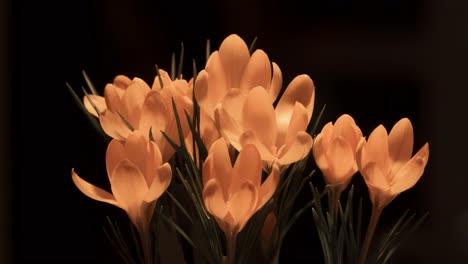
(147, 247)
(376, 212)
(231, 249)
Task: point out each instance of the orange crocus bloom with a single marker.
(137, 176)
(386, 162)
(278, 133)
(232, 194)
(334, 151)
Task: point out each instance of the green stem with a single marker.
(376, 212)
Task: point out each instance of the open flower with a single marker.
(334, 151)
(232, 66)
(137, 177)
(278, 133)
(233, 194)
(386, 164)
(130, 105)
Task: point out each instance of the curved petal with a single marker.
(257, 72)
(154, 115)
(297, 123)
(92, 191)
(377, 150)
(302, 90)
(133, 100)
(217, 84)
(318, 150)
(268, 187)
(346, 127)
(400, 142)
(113, 125)
(164, 77)
(98, 101)
(234, 56)
(242, 204)
(410, 173)
(161, 181)
(128, 186)
(122, 82)
(341, 160)
(205, 98)
(258, 115)
(248, 166)
(249, 137)
(375, 177)
(276, 83)
(233, 103)
(112, 97)
(228, 128)
(214, 199)
(222, 167)
(297, 150)
(115, 153)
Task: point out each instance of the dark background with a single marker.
(376, 60)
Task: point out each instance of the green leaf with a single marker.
(89, 83)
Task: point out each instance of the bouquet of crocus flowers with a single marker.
(210, 168)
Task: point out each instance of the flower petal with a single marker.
(248, 166)
(112, 97)
(222, 167)
(289, 130)
(98, 101)
(128, 186)
(122, 82)
(346, 127)
(242, 204)
(318, 150)
(377, 150)
(410, 173)
(379, 188)
(258, 115)
(234, 56)
(400, 142)
(164, 77)
(115, 153)
(249, 137)
(214, 199)
(340, 157)
(161, 180)
(133, 100)
(205, 98)
(154, 115)
(228, 127)
(276, 83)
(268, 187)
(298, 150)
(92, 191)
(257, 72)
(113, 125)
(302, 90)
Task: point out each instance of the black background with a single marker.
(376, 60)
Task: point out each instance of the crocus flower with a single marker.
(334, 151)
(130, 105)
(232, 194)
(137, 176)
(278, 133)
(232, 66)
(386, 162)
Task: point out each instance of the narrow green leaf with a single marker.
(91, 102)
(89, 83)
(180, 206)
(179, 230)
(252, 46)
(161, 83)
(129, 126)
(181, 61)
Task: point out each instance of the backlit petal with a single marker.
(161, 180)
(242, 204)
(214, 199)
(222, 167)
(128, 185)
(228, 128)
(257, 72)
(154, 115)
(377, 150)
(234, 55)
(410, 173)
(258, 115)
(112, 97)
(400, 142)
(249, 137)
(98, 101)
(268, 187)
(248, 166)
(113, 125)
(92, 191)
(318, 150)
(276, 83)
(341, 160)
(133, 100)
(114, 155)
(296, 151)
(302, 90)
